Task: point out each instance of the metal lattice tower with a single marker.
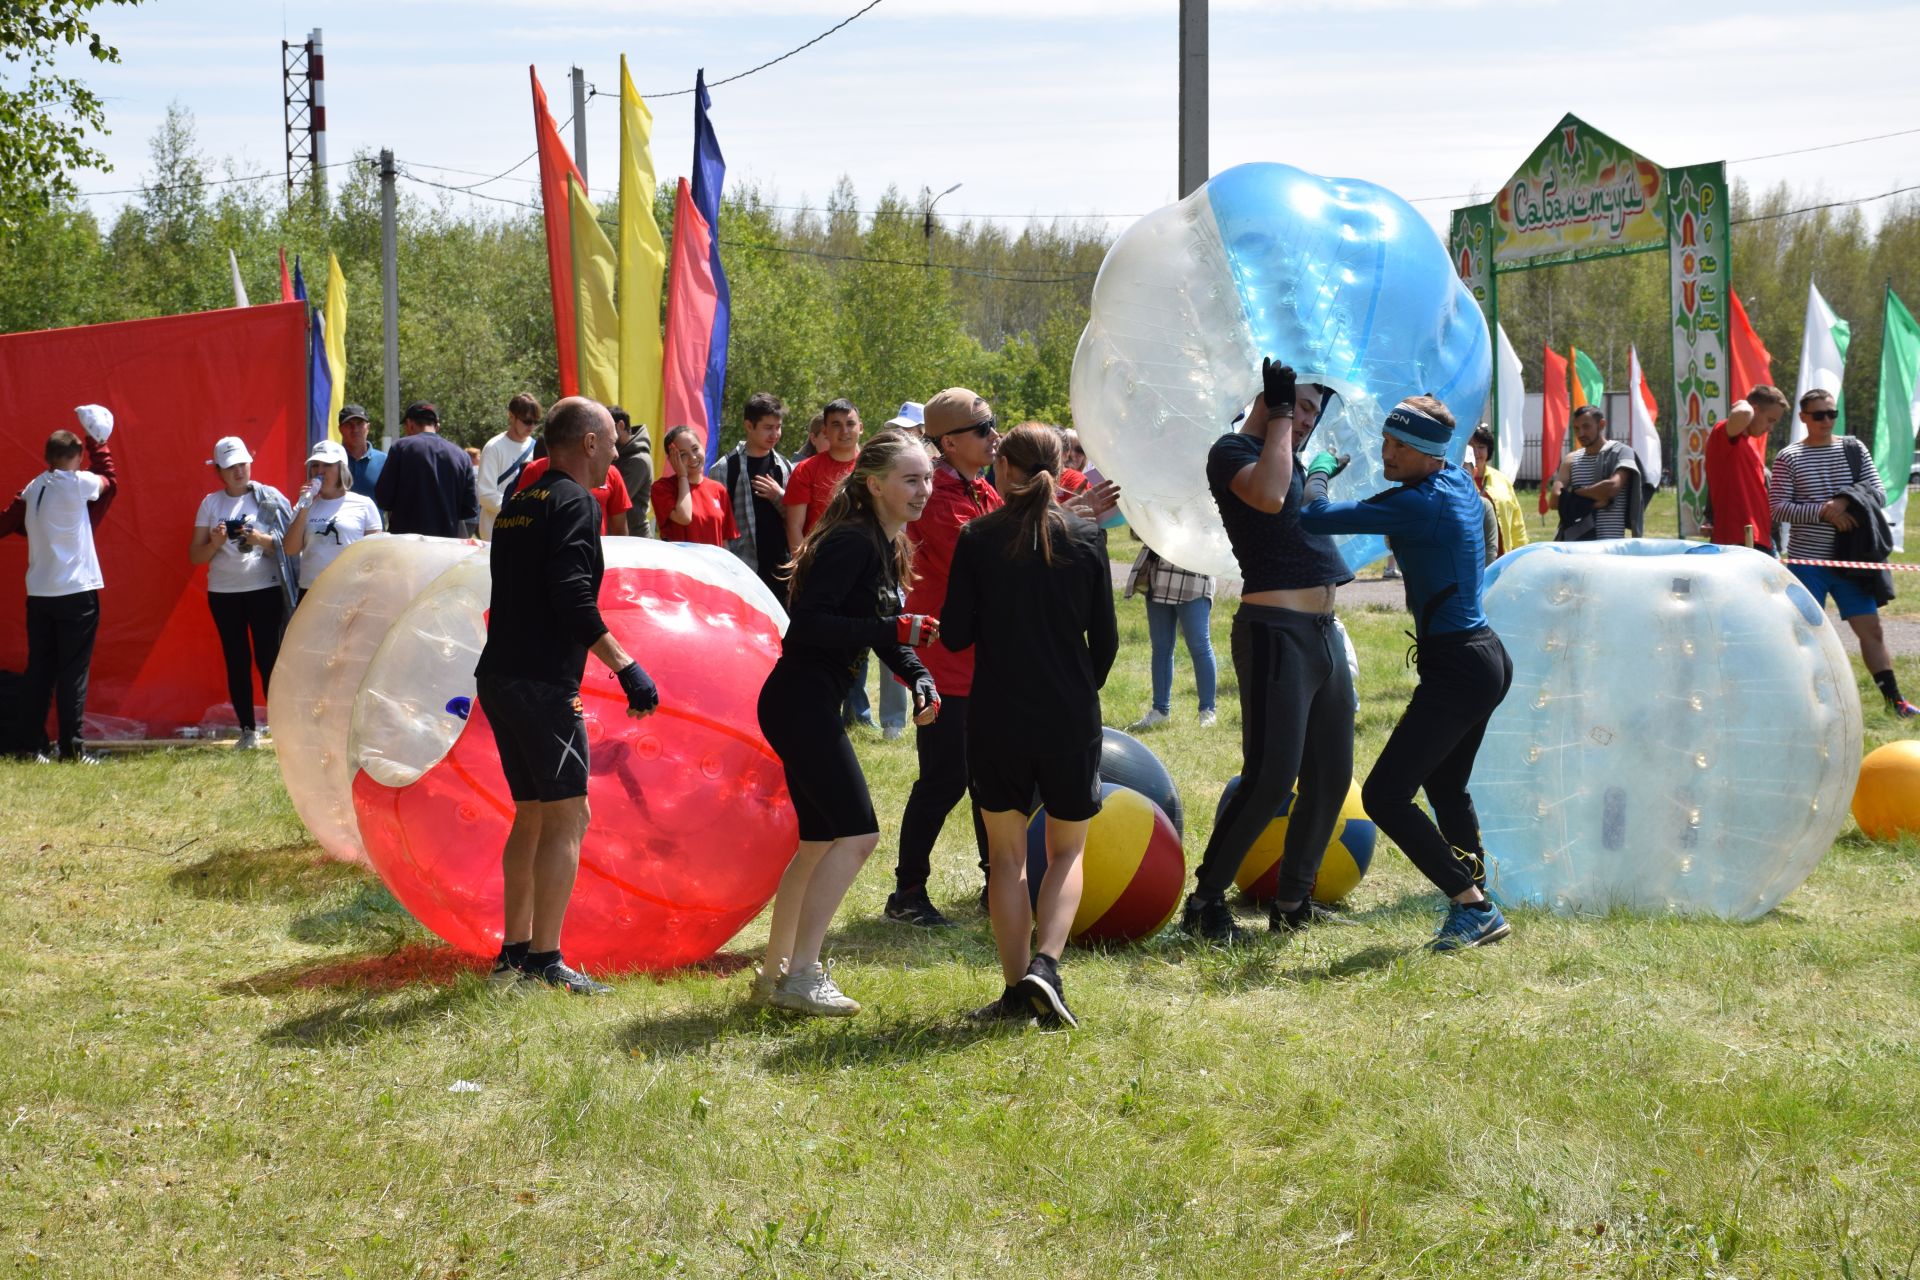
(304, 101)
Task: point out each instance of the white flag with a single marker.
(1823, 361)
(1643, 413)
(1511, 410)
(239, 289)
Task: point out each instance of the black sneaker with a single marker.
(1210, 920)
(986, 901)
(506, 975)
(1305, 916)
(911, 906)
(1012, 1006)
(559, 974)
(1047, 995)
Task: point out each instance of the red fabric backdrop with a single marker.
(175, 385)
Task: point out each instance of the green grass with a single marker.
(226, 1056)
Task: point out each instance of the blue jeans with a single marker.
(857, 709)
(893, 701)
(1192, 618)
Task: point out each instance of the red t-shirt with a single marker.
(712, 512)
(1737, 487)
(612, 496)
(812, 485)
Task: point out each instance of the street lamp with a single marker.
(928, 225)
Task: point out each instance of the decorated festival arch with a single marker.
(1581, 195)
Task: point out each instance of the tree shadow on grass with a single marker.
(359, 1019)
(285, 873)
(429, 963)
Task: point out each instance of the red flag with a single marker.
(691, 300)
(1555, 409)
(286, 281)
(555, 166)
(1752, 362)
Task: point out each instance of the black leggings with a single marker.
(1296, 711)
(800, 717)
(60, 632)
(942, 748)
(1463, 677)
(235, 614)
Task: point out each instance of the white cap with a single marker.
(912, 416)
(228, 450)
(328, 451)
(96, 420)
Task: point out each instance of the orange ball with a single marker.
(1886, 800)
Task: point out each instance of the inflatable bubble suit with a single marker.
(691, 825)
(1339, 278)
(1683, 731)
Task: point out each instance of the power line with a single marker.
(1831, 204)
(680, 93)
(206, 182)
(1825, 146)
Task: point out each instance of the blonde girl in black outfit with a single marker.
(1031, 592)
(848, 585)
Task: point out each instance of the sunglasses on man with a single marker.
(982, 429)
(1823, 415)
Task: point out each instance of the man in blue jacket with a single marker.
(1434, 524)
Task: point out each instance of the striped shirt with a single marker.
(1589, 469)
(1805, 476)
(1166, 583)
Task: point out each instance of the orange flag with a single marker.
(1752, 362)
(556, 166)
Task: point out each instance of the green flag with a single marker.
(1588, 388)
(1899, 413)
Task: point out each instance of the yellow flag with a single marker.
(336, 340)
(643, 267)
(596, 326)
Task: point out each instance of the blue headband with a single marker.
(1410, 426)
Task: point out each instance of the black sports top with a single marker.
(846, 605)
(546, 570)
(1274, 552)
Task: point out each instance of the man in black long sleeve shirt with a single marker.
(426, 484)
(543, 620)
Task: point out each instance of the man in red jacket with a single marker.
(961, 427)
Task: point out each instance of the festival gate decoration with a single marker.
(1581, 195)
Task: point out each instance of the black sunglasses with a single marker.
(1823, 415)
(981, 429)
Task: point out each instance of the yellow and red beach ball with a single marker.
(1133, 868)
(1348, 855)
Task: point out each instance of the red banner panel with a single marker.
(175, 385)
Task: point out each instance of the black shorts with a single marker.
(541, 731)
(800, 717)
(1067, 784)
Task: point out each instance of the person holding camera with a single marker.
(238, 534)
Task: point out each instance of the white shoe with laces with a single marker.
(1152, 720)
(765, 983)
(812, 991)
(1208, 718)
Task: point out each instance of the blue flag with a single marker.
(709, 171)
(299, 285)
(319, 380)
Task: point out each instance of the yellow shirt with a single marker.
(1506, 511)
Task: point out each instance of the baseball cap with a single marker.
(954, 409)
(912, 415)
(421, 411)
(228, 450)
(328, 451)
(348, 412)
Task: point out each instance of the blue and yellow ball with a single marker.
(1133, 868)
(1348, 855)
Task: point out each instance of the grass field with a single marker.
(227, 1056)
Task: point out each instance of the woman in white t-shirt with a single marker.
(329, 516)
(237, 534)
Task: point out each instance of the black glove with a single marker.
(924, 694)
(642, 697)
(1277, 387)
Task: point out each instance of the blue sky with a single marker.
(1042, 106)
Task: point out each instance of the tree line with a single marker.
(873, 304)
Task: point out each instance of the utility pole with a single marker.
(389, 298)
(580, 123)
(1193, 96)
(926, 193)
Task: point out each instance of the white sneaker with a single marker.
(247, 741)
(812, 991)
(1152, 720)
(760, 993)
(1208, 719)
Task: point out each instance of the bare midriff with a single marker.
(1301, 599)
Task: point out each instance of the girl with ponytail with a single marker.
(848, 582)
(1031, 592)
